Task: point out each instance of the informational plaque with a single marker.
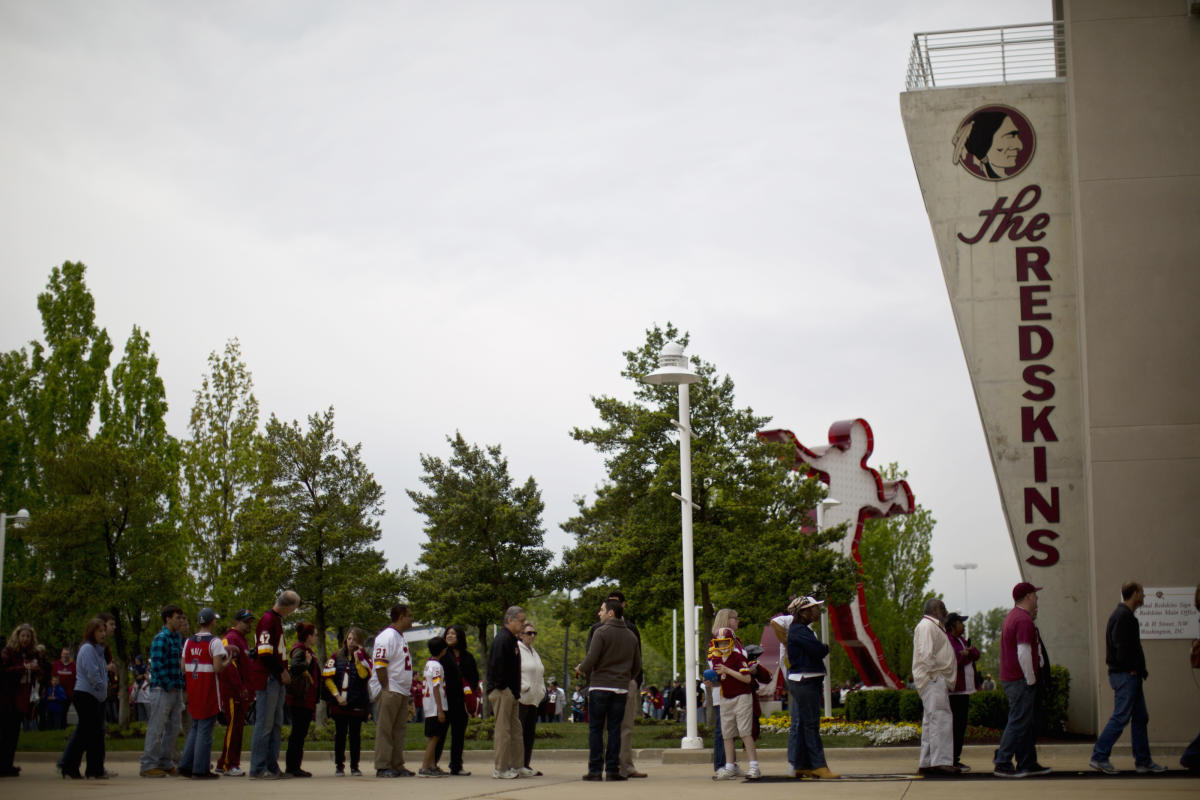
(1170, 613)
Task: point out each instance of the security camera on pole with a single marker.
(673, 370)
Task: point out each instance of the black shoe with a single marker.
(1007, 771)
(404, 773)
(1037, 769)
(184, 773)
(75, 776)
(616, 777)
(461, 772)
(386, 773)
(593, 776)
(204, 776)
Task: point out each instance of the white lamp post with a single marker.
(19, 520)
(673, 370)
(965, 568)
(828, 502)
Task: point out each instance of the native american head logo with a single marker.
(994, 143)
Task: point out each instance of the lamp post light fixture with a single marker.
(828, 502)
(673, 370)
(19, 520)
(965, 567)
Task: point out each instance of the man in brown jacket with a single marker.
(613, 658)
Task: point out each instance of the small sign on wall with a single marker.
(1170, 614)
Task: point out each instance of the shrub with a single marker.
(988, 709)
(856, 706)
(1052, 700)
(910, 707)
(883, 704)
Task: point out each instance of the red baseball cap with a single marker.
(1023, 588)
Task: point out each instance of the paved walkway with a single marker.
(673, 773)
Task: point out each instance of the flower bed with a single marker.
(878, 732)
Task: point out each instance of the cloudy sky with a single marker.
(455, 216)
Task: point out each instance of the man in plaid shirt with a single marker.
(166, 695)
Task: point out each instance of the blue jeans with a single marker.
(162, 731)
(718, 740)
(1191, 756)
(268, 728)
(1129, 705)
(605, 712)
(805, 750)
(1018, 738)
(197, 748)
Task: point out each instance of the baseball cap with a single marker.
(244, 615)
(802, 602)
(1023, 588)
(207, 615)
(954, 617)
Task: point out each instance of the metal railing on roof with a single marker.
(1013, 54)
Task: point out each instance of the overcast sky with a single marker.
(456, 216)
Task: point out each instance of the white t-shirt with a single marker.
(434, 675)
(391, 651)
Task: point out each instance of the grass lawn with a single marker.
(551, 736)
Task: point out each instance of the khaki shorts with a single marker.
(737, 717)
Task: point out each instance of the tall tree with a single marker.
(47, 395)
(484, 551)
(750, 552)
(109, 539)
(318, 508)
(220, 469)
(984, 632)
(896, 568)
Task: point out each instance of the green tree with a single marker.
(750, 552)
(983, 630)
(47, 395)
(896, 567)
(220, 471)
(108, 539)
(317, 509)
(484, 552)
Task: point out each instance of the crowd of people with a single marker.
(250, 670)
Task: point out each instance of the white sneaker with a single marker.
(737, 771)
(526, 772)
(234, 772)
(754, 773)
(725, 774)
(508, 774)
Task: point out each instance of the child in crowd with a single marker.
(434, 706)
(737, 703)
(56, 705)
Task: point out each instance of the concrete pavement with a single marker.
(672, 773)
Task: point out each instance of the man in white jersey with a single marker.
(391, 689)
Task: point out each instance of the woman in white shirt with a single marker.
(533, 691)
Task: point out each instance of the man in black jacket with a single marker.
(504, 688)
(1126, 671)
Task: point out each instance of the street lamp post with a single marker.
(19, 520)
(828, 502)
(673, 370)
(965, 567)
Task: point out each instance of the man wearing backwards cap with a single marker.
(806, 675)
(1020, 653)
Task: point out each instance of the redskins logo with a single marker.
(994, 143)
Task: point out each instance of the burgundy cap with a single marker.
(1023, 588)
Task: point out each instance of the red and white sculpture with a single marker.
(842, 466)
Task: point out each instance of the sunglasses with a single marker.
(529, 633)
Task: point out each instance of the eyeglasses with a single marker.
(530, 633)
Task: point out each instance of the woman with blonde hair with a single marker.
(26, 672)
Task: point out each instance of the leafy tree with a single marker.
(47, 395)
(484, 551)
(897, 565)
(983, 629)
(317, 509)
(749, 550)
(220, 470)
(109, 539)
